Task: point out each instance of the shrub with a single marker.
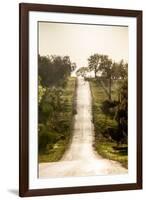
(108, 107)
(103, 123)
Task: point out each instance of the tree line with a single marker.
(54, 70)
(53, 119)
(105, 70)
(113, 78)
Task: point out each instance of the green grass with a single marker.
(55, 153)
(110, 150)
(55, 150)
(106, 147)
(101, 121)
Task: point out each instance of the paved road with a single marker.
(81, 159)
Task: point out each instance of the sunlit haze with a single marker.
(81, 41)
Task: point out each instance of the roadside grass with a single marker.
(55, 153)
(110, 150)
(55, 149)
(104, 145)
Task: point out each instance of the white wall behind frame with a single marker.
(9, 98)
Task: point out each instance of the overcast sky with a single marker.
(81, 41)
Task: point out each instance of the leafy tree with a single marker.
(41, 91)
(106, 69)
(82, 71)
(51, 104)
(108, 107)
(54, 70)
(94, 62)
(115, 71)
(122, 111)
(103, 65)
(119, 70)
(120, 132)
(123, 70)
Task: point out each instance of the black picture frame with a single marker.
(24, 9)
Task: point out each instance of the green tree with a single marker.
(119, 70)
(122, 111)
(106, 69)
(54, 70)
(94, 62)
(103, 65)
(41, 91)
(82, 71)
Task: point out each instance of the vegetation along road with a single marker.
(80, 159)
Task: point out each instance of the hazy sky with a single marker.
(81, 41)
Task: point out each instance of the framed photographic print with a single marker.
(80, 99)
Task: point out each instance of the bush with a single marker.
(55, 120)
(46, 137)
(116, 134)
(108, 107)
(103, 124)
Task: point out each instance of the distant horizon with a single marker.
(80, 41)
